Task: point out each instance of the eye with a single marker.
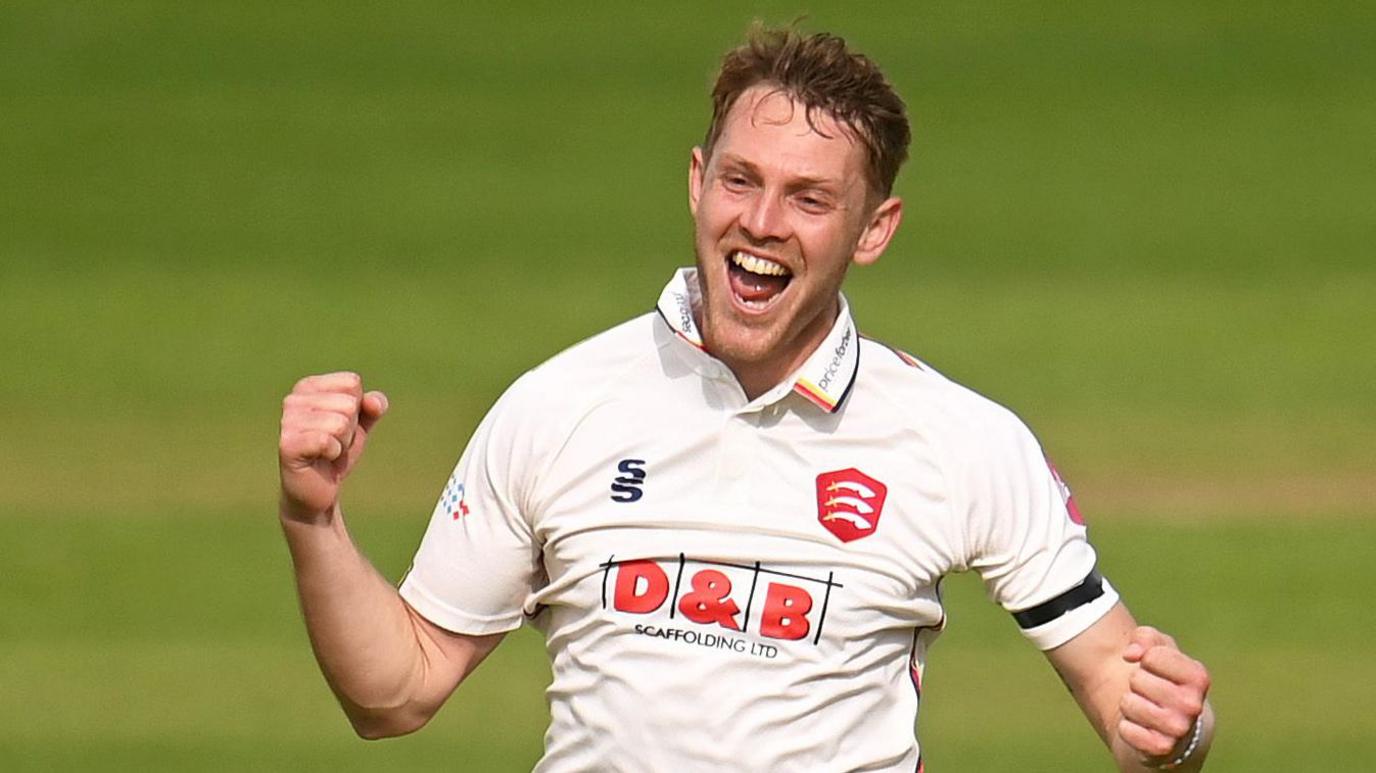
(734, 181)
(813, 204)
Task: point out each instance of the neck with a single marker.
(757, 376)
(756, 379)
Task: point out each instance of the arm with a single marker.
(390, 668)
(1139, 691)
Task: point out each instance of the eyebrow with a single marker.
(796, 183)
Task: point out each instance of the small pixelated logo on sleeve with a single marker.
(452, 500)
(1072, 509)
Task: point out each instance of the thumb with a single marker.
(1143, 638)
(370, 409)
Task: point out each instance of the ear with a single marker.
(697, 167)
(879, 231)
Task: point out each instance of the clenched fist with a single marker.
(1165, 697)
(325, 424)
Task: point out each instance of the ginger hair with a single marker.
(819, 72)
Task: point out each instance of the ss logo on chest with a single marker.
(626, 487)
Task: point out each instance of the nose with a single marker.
(765, 218)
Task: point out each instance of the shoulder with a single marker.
(585, 374)
(594, 364)
(897, 382)
(533, 422)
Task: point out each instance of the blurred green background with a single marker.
(1146, 227)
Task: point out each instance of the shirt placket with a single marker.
(742, 459)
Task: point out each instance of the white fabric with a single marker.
(810, 660)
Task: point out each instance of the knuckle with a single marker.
(295, 445)
(1147, 742)
(338, 423)
(1135, 707)
(1157, 658)
(326, 401)
(1149, 660)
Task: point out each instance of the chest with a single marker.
(736, 519)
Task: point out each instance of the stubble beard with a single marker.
(766, 349)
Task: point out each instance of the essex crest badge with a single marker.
(849, 503)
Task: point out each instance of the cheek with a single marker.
(828, 247)
(717, 211)
(706, 236)
(708, 232)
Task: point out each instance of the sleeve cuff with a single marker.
(451, 618)
(1061, 619)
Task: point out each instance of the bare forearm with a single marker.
(390, 668)
(1139, 691)
(359, 627)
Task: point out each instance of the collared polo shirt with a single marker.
(726, 583)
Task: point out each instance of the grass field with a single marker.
(1147, 228)
(171, 641)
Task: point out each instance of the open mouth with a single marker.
(756, 282)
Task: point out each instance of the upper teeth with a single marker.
(756, 265)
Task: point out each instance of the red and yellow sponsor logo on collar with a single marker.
(818, 397)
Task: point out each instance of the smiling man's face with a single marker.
(780, 209)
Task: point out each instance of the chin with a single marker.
(737, 343)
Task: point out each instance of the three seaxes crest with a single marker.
(849, 503)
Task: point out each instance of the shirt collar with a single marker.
(825, 378)
(676, 305)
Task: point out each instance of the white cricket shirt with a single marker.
(742, 584)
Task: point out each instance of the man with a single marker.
(730, 517)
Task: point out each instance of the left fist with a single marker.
(1165, 696)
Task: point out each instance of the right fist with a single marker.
(325, 424)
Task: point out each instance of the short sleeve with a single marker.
(1027, 540)
(479, 560)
